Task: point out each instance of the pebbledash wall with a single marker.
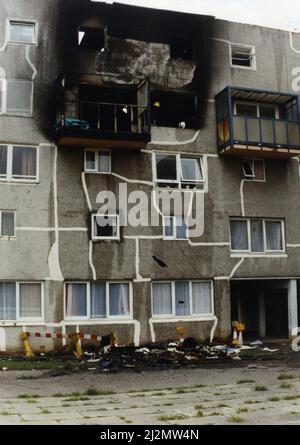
(52, 243)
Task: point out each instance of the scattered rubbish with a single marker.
(256, 343)
(270, 350)
(4, 368)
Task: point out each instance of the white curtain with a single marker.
(18, 96)
(239, 235)
(22, 32)
(90, 160)
(119, 299)
(201, 294)
(191, 169)
(98, 300)
(104, 162)
(3, 159)
(274, 235)
(182, 298)
(7, 224)
(30, 300)
(257, 237)
(24, 161)
(181, 228)
(76, 300)
(7, 301)
(162, 299)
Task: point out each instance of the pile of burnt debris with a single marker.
(187, 353)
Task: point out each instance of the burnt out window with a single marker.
(91, 38)
(242, 56)
(182, 49)
(175, 110)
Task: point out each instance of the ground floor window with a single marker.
(7, 224)
(21, 301)
(182, 298)
(98, 300)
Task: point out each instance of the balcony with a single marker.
(256, 122)
(91, 116)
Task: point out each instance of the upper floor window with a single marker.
(257, 235)
(183, 49)
(252, 109)
(22, 32)
(242, 56)
(16, 96)
(21, 301)
(7, 224)
(97, 161)
(173, 109)
(91, 38)
(182, 298)
(178, 171)
(175, 228)
(105, 227)
(254, 169)
(18, 162)
(98, 300)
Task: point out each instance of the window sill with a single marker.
(249, 68)
(191, 318)
(91, 172)
(8, 238)
(20, 323)
(29, 115)
(19, 181)
(94, 321)
(255, 255)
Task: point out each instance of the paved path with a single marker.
(263, 395)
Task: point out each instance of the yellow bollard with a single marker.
(181, 332)
(28, 350)
(79, 352)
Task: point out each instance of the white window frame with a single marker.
(4, 90)
(174, 225)
(25, 22)
(173, 302)
(105, 238)
(4, 236)
(17, 289)
(257, 105)
(265, 251)
(89, 317)
(252, 52)
(179, 181)
(9, 177)
(97, 152)
(253, 178)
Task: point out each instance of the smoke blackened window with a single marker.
(170, 109)
(182, 49)
(242, 56)
(91, 38)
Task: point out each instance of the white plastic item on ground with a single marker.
(257, 343)
(270, 350)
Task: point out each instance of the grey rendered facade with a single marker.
(52, 244)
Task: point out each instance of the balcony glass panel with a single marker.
(280, 129)
(253, 129)
(239, 128)
(267, 130)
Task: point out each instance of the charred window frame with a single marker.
(242, 56)
(105, 227)
(183, 49)
(91, 38)
(173, 109)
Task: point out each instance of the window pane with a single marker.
(98, 300)
(182, 298)
(267, 112)
(181, 228)
(18, 96)
(119, 300)
(7, 224)
(166, 167)
(104, 162)
(24, 162)
(239, 235)
(191, 170)
(30, 300)
(246, 110)
(169, 226)
(248, 169)
(201, 293)
(90, 160)
(162, 299)
(22, 32)
(242, 56)
(257, 237)
(274, 235)
(106, 226)
(3, 160)
(7, 301)
(76, 300)
(259, 167)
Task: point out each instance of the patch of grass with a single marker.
(217, 394)
(168, 404)
(158, 394)
(173, 418)
(28, 396)
(97, 392)
(285, 385)
(285, 377)
(242, 410)
(294, 397)
(222, 405)
(77, 399)
(66, 405)
(251, 402)
(199, 414)
(241, 382)
(236, 419)
(5, 413)
(31, 401)
(274, 399)
(213, 414)
(139, 395)
(260, 388)
(45, 411)
(39, 363)
(198, 406)
(129, 421)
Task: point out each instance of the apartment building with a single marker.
(128, 101)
